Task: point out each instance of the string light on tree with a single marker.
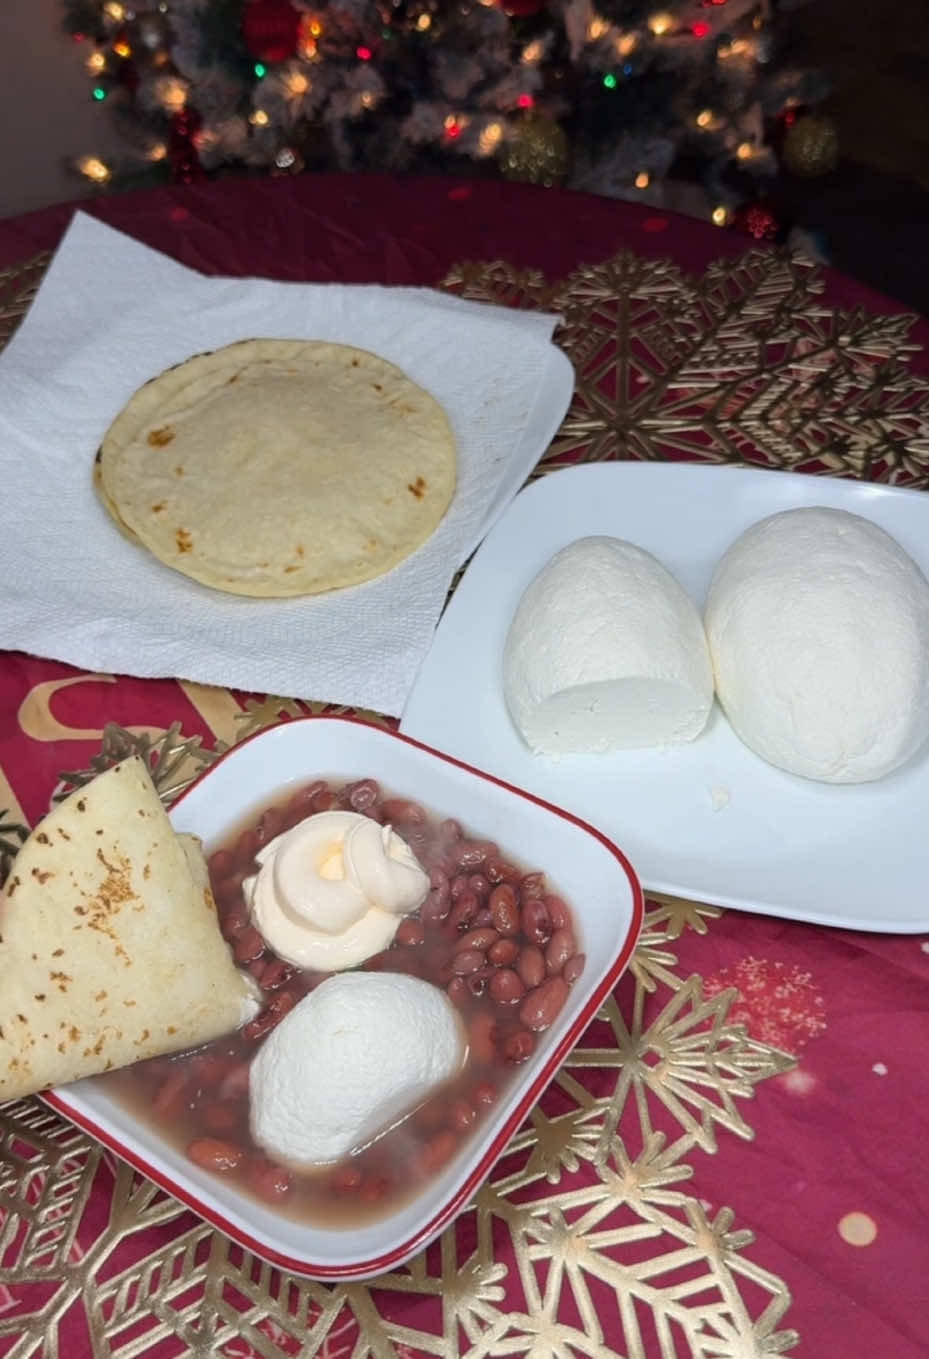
(574, 92)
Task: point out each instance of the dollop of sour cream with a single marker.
(332, 890)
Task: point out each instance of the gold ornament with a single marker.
(811, 146)
(536, 152)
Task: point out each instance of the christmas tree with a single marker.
(611, 96)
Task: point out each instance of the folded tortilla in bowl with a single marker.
(110, 947)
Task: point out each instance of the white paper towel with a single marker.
(112, 313)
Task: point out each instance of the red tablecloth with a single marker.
(834, 1183)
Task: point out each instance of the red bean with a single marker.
(439, 1149)
(558, 912)
(482, 1033)
(477, 981)
(463, 911)
(458, 885)
(468, 960)
(519, 1046)
(463, 1115)
(542, 1006)
(435, 908)
(410, 931)
(573, 968)
(532, 885)
(232, 923)
(503, 952)
(324, 801)
(246, 847)
(212, 1154)
(504, 908)
(457, 991)
(471, 854)
(270, 824)
(479, 885)
(376, 1188)
(483, 918)
(449, 832)
(301, 803)
(531, 965)
(506, 986)
(276, 973)
(438, 880)
(498, 870)
(535, 920)
(270, 1016)
(481, 938)
(266, 1179)
(558, 950)
(229, 889)
(221, 864)
(249, 945)
(400, 811)
(484, 1094)
(362, 795)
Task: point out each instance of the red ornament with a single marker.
(270, 29)
(182, 147)
(760, 220)
(521, 9)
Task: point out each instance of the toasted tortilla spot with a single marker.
(417, 488)
(42, 838)
(157, 438)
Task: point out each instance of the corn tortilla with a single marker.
(279, 467)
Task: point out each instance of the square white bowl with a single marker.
(592, 874)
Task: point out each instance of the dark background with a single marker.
(871, 213)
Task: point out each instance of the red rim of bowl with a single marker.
(401, 1252)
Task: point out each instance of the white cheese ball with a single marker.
(606, 652)
(352, 1058)
(818, 625)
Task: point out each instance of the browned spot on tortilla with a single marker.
(61, 1047)
(129, 1003)
(355, 362)
(288, 569)
(100, 995)
(230, 381)
(172, 1028)
(179, 471)
(301, 550)
(42, 838)
(12, 886)
(39, 995)
(183, 540)
(57, 953)
(74, 1033)
(417, 488)
(378, 386)
(22, 1019)
(159, 437)
(63, 833)
(1, 1030)
(141, 1038)
(158, 507)
(41, 875)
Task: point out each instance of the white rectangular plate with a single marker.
(708, 820)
